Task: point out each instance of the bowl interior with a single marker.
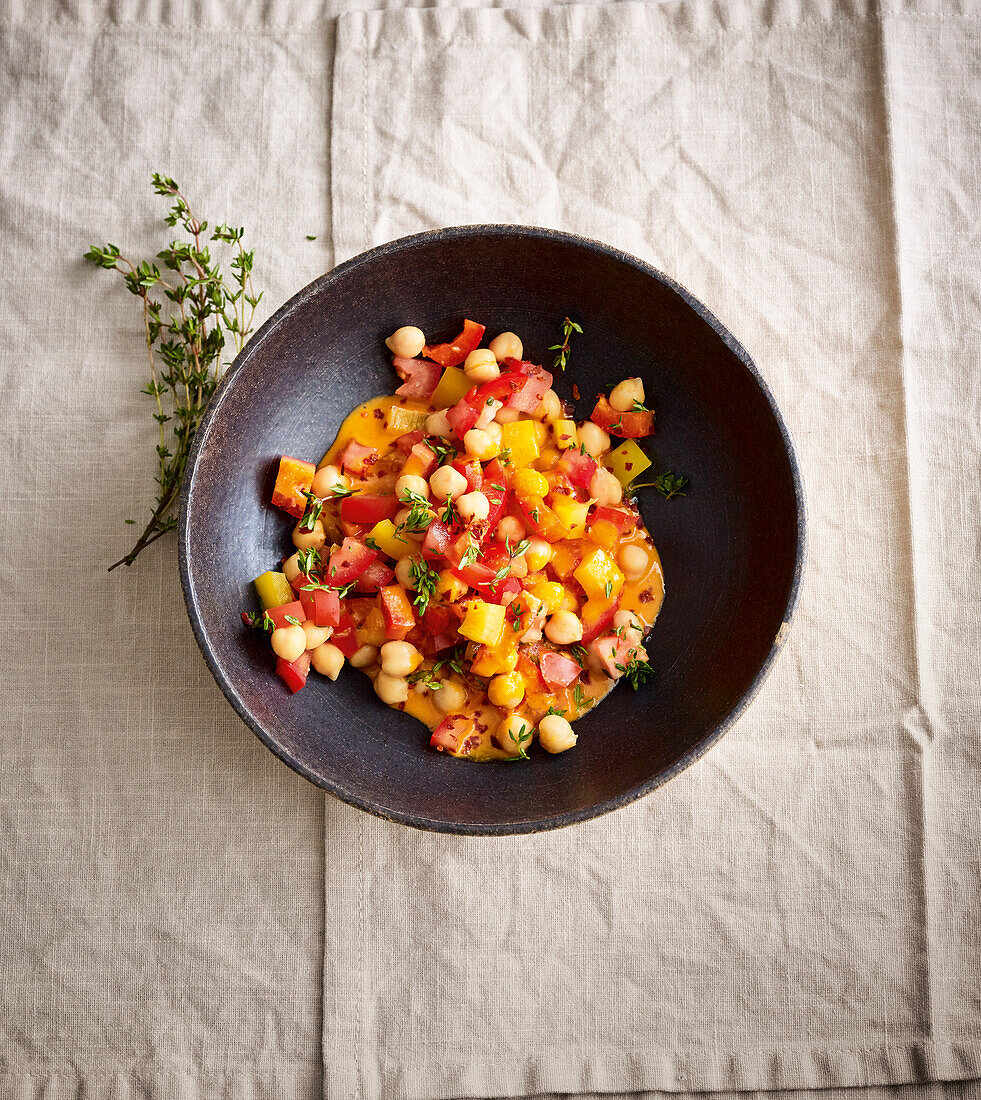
(731, 549)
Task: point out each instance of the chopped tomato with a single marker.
(294, 610)
(498, 500)
(619, 517)
(495, 555)
(537, 383)
(397, 609)
(558, 670)
(438, 618)
(451, 734)
(470, 468)
(437, 540)
(322, 606)
(577, 467)
(293, 477)
(628, 425)
(349, 560)
(495, 473)
(344, 636)
(613, 651)
(502, 388)
(504, 591)
(373, 578)
(293, 673)
(475, 574)
(454, 353)
(356, 458)
(368, 508)
(603, 622)
(406, 442)
(541, 519)
(421, 376)
(462, 416)
(421, 460)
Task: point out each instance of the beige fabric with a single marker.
(161, 889)
(800, 909)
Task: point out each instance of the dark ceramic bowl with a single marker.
(732, 549)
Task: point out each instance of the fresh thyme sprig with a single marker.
(521, 739)
(636, 672)
(191, 309)
(312, 512)
(308, 560)
(420, 514)
(426, 579)
(667, 484)
(562, 358)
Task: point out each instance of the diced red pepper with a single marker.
(349, 560)
(602, 624)
(345, 636)
(356, 458)
(451, 733)
(369, 508)
(620, 519)
(495, 473)
(453, 353)
(470, 468)
(293, 477)
(322, 606)
(421, 377)
(294, 610)
(498, 500)
(495, 556)
(374, 577)
(294, 673)
(437, 540)
(521, 366)
(502, 388)
(397, 609)
(504, 591)
(557, 669)
(299, 581)
(437, 618)
(540, 519)
(462, 416)
(627, 425)
(577, 467)
(406, 442)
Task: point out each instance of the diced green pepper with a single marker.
(450, 388)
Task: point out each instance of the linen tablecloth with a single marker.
(180, 916)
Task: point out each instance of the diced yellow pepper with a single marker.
(572, 513)
(402, 420)
(450, 388)
(529, 483)
(565, 433)
(599, 575)
(273, 590)
(593, 610)
(390, 542)
(372, 630)
(483, 622)
(551, 594)
(495, 660)
(603, 533)
(540, 432)
(449, 587)
(521, 439)
(627, 461)
(564, 559)
(548, 458)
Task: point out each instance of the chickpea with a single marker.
(438, 424)
(488, 412)
(506, 346)
(633, 630)
(402, 517)
(626, 394)
(447, 483)
(538, 554)
(309, 540)
(556, 734)
(366, 655)
(406, 342)
(481, 366)
(506, 416)
(315, 635)
(291, 567)
(605, 488)
(411, 483)
(403, 574)
(449, 696)
(593, 438)
(483, 443)
(473, 507)
(506, 690)
(564, 628)
(328, 660)
(633, 560)
(513, 734)
(399, 658)
(551, 406)
(391, 689)
(289, 642)
(510, 528)
(326, 478)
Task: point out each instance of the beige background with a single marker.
(800, 909)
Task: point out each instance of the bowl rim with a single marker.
(418, 821)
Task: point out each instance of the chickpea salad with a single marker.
(471, 548)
